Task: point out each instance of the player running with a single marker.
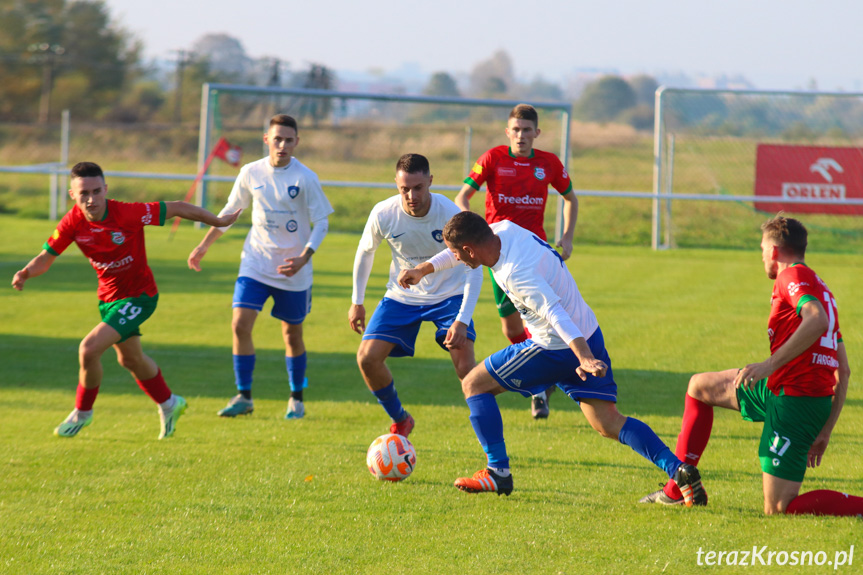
(111, 235)
(517, 178)
(566, 349)
(798, 392)
(289, 222)
(412, 224)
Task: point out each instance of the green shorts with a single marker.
(504, 306)
(791, 425)
(127, 315)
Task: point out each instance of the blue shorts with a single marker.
(400, 323)
(529, 369)
(289, 306)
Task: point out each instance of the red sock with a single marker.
(156, 388)
(523, 336)
(84, 398)
(694, 434)
(826, 502)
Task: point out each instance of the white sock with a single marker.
(78, 415)
(541, 395)
(502, 472)
(169, 404)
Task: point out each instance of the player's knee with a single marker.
(699, 387)
(88, 353)
(366, 361)
(241, 328)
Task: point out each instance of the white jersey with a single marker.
(412, 241)
(285, 202)
(535, 278)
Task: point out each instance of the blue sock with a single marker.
(645, 442)
(244, 367)
(388, 397)
(296, 371)
(488, 426)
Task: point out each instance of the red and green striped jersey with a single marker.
(114, 246)
(812, 373)
(518, 187)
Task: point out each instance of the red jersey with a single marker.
(518, 187)
(114, 246)
(812, 373)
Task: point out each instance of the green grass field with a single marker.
(264, 495)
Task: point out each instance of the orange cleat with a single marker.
(485, 480)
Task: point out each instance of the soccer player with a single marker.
(517, 178)
(412, 224)
(289, 222)
(566, 348)
(798, 391)
(111, 235)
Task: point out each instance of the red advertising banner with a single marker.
(816, 172)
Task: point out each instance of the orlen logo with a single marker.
(825, 168)
(520, 200)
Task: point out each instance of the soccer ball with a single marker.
(391, 457)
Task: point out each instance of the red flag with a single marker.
(227, 153)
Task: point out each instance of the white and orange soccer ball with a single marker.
(391, 457)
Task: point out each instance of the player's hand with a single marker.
(357, 318)
(408, 278)
(748, 376)
(565, 246)
(456, 336)
(195, 258)
(19, 278)
(292, 265)
(228, 219)
(591, 366)
(816, 452)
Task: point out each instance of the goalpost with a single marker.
(356, 137)
(722, 155)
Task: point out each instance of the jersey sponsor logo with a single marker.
(437, 236)
(291, 226)
(84, 239)
(477, 169)
(539, 173)
(522, 163)
(507, 172)
(148, 217)
(394, 236)
(794, 287)
(56, 234)
(112, 265)
(520, 200)
(293, 191)
(118, 238)
(565, 174)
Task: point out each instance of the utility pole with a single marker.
(184, 58)
(47, 54)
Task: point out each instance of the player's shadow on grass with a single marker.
(46, 363)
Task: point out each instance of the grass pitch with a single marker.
(263, 495)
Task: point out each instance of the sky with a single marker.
(775, 44)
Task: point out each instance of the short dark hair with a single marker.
(467, 228)
(413, 164)
(284, 120)
(788, 234)
(525, 112)
(86, 170)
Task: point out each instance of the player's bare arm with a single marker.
(195, 213)
(840, 391)
(570, 217)
(293, 265)
(410, 277)
(589, 364)
(357, 318)
(200, 251)
(462, 199)
(813, 325)
(35, 267)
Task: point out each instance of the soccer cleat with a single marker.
(485, 480)
(539, 406)
(660, 497)
(403, 427)
(238, 405)
(688, 479)
(168, 419)
(73, 424)
(296, 409)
